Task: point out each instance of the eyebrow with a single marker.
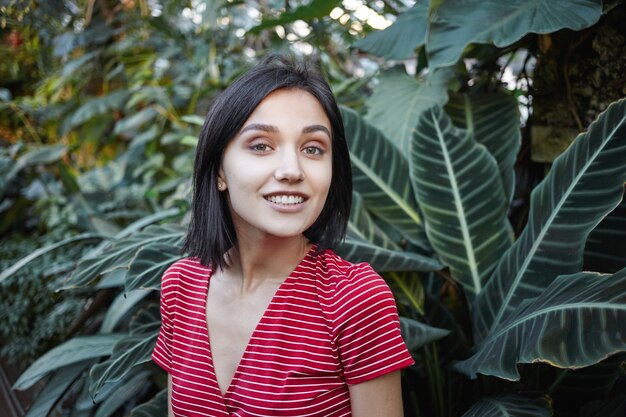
(316, 128)
(274, 129)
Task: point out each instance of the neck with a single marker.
(269, 259)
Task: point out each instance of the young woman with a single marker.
(263, 319)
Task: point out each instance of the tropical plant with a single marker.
(494, 301)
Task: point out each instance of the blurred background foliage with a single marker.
(455, 112)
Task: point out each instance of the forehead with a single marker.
(289, 106)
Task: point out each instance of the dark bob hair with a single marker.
(211, 231)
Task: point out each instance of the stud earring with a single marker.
(220, 185)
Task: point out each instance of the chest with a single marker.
(231, 321)
(269, 352)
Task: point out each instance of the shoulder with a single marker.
(349, 282)
(183, 270)
(341, 273)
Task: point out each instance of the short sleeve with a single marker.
(366, 327)
(162, 353)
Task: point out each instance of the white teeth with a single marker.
(286, 199)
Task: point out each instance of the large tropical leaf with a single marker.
(121, 305)
(43, 250)
(457, 23)
(122, 252)
(510, 406)
(133, 349)
(157, 406)
(408, 290)
(134, 227)
(123, 392)
(55, 388)
(416, 334)
(73, 351)
(577, 321)
(399, 40)
(356, 249)
(605, 250)
(398, 101)
(380, 176)
(362, 225)
(149, 263)
(494, 121)
(459, 190)
(584, 184)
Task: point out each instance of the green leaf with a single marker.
(605, 250)
(121, 305)
(457, 23)
(460, 194)
(147, 220)
(133, 122)
(45, 154)
(123, 393)
(132, 350)
(362, 225)
(41, 251)
(149, 263)
(189, 140)
(510, 406)
(399, 100)
(399, 40)
(380, 175)
(407, 289)
(416, 334)
(356, 249)
(576, 322)
(103, 179)
(193, 119)
(584, 184)
(73, 351)
(317, 9)
(55, 388)
(98, 105)
(157, 406)
(494, 121)
(121, 253)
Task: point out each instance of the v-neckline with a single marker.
(262, 320)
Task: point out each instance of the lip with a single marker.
(286, 208)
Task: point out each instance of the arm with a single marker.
(170, 412)
(377, 397)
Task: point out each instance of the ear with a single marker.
(221, 184)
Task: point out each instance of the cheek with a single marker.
(324, 180)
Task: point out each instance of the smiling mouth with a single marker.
(285, 199)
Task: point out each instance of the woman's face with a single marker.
(278, 168)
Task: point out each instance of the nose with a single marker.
(289, 169)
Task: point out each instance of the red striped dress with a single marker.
(329, 325)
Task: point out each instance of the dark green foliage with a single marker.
(33, 316)
(98, 135)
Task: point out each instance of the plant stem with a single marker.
(557, 381)
(433, 375)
